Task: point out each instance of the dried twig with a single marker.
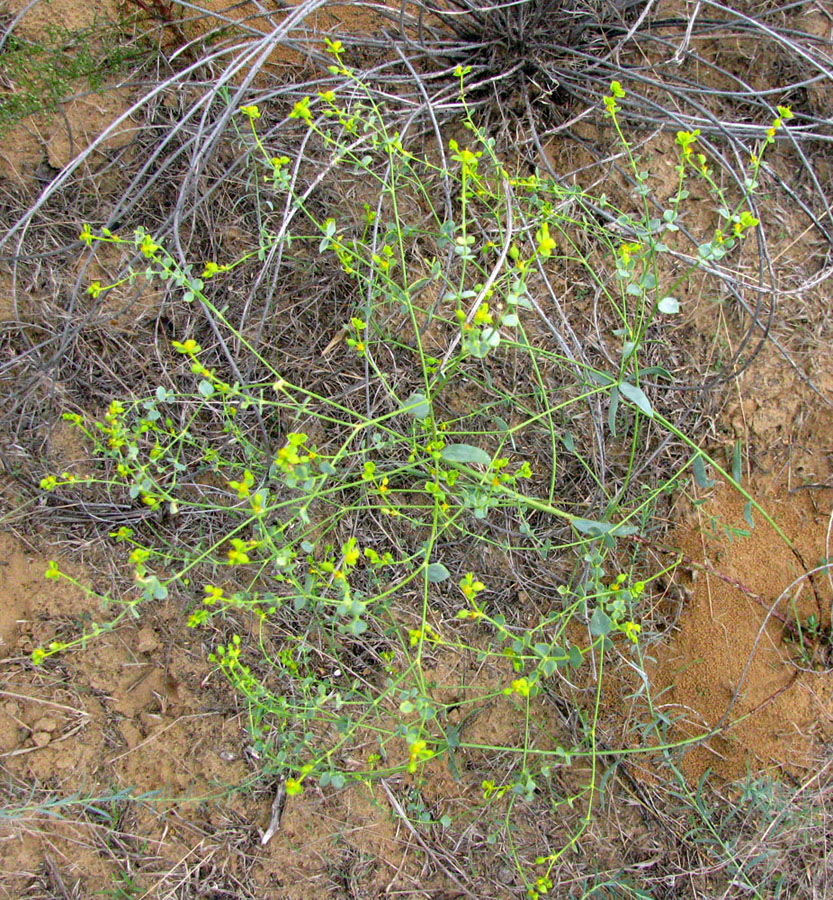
(278, 805)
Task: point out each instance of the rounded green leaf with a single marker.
(599, 623)
(437, 572)
(417, 405)
(465, 453)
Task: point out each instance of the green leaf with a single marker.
(747, 514)
(417, 286)
(700, 473)
(491, 336)
(595, 529)
(601, 378)
(589, 526)
(465, 453)
(599, 623)
(502, 424)
(737, 462)
(575, 657)
(637, 397)
(154, 588)
(453, 737)
(357, 627)
(437, 572)
(612, 410)
(669, 305)
(206, 388)
(611, 770)
(417, 405)
(656, 370)
(451, 756)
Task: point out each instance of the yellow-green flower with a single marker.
(237, 555)
(470, 587)
(197, 618)
(522, 687)
(483, 316)
(148, 247)
(351, 552)
(301, 110)
(545, 243)
(631, 630)
(190, 347)
(417, 752)
(627, 250)
(293, 787)
(211, 269)
(212, 594)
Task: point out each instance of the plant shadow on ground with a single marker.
(390, 435)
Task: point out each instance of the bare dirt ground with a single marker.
(146, 716)
(127, 767)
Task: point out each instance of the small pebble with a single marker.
(45, 724)
(147, 640)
